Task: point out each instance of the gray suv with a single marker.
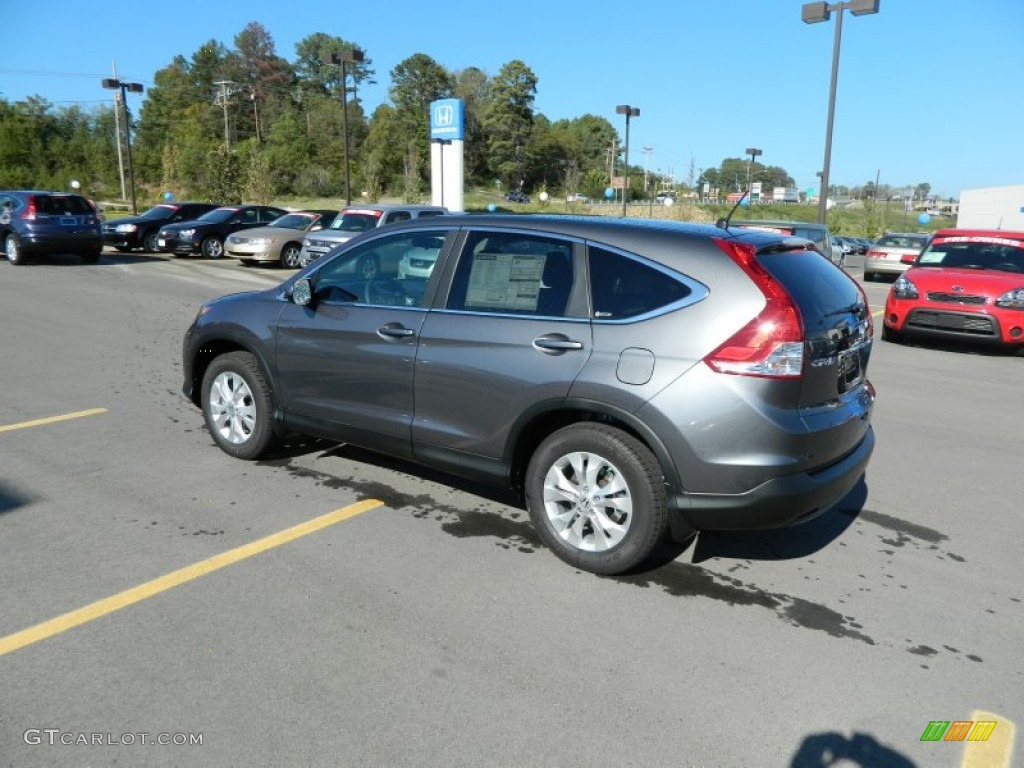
(632, 379)
(356, 219)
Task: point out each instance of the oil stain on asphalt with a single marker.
(675, 578)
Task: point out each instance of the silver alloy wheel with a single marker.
(587, 501)
(213, 248)
(232, 407)
(13, 248)
(290, 256)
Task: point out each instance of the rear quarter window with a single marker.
(817, 287)
(622, 287)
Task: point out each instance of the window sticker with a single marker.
(933, 257)
(505, 281)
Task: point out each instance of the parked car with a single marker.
(893, 253)
(629, 378)
(967, 284)
(816, 233)
(281, 240)
(206, 234)
(353, 221)
(517, 196)
(666, 198)
(34, 223)
(130, 232)
(577, 199)
(851, 245)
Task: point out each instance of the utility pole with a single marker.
(117, 131)
(222, 100)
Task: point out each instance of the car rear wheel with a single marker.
(888, 334)
(869, 276)
(149, 242)
(212, 248)
(12, 247)
(596, 496)
(237, 405)
(290, 256)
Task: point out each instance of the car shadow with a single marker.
(793, 542)
(861, 749)
(11, 498)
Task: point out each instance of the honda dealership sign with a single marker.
(446, 163)
(446, 120)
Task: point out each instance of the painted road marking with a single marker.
(997, 750)
(175, 578)
(52, 419)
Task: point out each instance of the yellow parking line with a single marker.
(150, 588)
(879, 313)
(52, 419)
(997, 750)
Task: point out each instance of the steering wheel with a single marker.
(385, 292)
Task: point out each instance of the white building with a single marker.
(992, 208)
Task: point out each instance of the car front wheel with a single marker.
(237, 405)
(290, 256)
(212, 248)
(596, 496)
(149, 243)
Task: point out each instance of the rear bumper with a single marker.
(79, 242)
(886, 266)
(781, 501)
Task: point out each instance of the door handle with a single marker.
(557, 345)
(395, 333)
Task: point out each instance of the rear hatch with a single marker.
(61, 215)
(837, 326)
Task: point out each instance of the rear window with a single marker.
(817, 287)
(902, 241)
(1003, 254)
(62, 205)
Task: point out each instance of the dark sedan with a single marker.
(206, 234)
(131, 232)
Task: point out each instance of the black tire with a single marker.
(12, 247)
(247, 262)
(149, 244)
(212, 248)
(869, 276)
(888, 334)
(91, 257)
(237, 405)
(602, 538)
(290, 255)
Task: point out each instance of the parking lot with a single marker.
(333, 607)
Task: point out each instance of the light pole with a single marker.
(112, 83)
(628, 111)
(753, 152)
(647, 164)
(812, 13)
(341, 58)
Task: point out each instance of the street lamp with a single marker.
(812, 13)
(341, 58)
(753, 152)
(112, 83)
(628, 111)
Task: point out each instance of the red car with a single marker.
(967, 284)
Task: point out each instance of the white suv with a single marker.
(356, 219)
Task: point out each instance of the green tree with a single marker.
(415, 82)
(223, 180)
(508, 121)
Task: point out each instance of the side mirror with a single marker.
(302, 292)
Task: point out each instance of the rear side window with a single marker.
(622, 287)
(901, 241)
(506, 273)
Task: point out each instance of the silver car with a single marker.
(361, 218)
(893, 253)
(630, 379)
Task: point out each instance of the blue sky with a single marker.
(929, 91)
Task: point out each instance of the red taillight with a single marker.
(771, 345)
(875, 254)
(29, 214)
(908, 258)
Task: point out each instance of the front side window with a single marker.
(622, 288)
(508, 273)
(356, 221)
(370, 272)
(397, 216)
(218, 215)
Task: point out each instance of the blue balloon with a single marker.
(168, 196)
(924, 218)
(492, 207)
(609, 193)
(744, 202)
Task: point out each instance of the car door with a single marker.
(345, 362)
(511, 336)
